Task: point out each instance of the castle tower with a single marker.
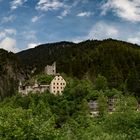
(51, 70)
(54, 68)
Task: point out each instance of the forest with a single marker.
(94, 71)
(66, 117)
(118, 61)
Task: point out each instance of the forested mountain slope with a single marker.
(10, 73)
(46, 116)
(118, 61)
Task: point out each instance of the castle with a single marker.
(55, 86)
(94, 106)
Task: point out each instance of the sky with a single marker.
(27, 23)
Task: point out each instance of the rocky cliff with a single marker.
(10, 73)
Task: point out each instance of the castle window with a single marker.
(54, 83)
(63, 83)
(23, 88)
(57, 87)
(61, 87)
(58, 78)
(54, 87)
(57, 83)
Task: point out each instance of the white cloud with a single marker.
(7, 19)
(32, 45)
(135, 40)
(63, 14)
(46, 5)
(100, 30)
(6, 41)
(134, 37)
(50, 5)
(67, 9)
(84, 14)
(7, 32)
(36, 18)
(125, 9)
(16, 3)
(103, 30)
(9, 44)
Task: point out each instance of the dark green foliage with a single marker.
(101, 83)
(102, 101)
(40, 78)
(67, 117)
(44, 79)
(45, 116)
(118, 61)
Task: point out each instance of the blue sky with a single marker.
(27, 23)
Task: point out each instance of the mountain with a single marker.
(10, 73)
(72, 115)
(118, 61)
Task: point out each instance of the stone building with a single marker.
(94, 106)
(36, 88)
(51, 70)
(111, 104)
(55, 86)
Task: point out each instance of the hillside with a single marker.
(118, 61)
(70, 115)
(10, 73)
